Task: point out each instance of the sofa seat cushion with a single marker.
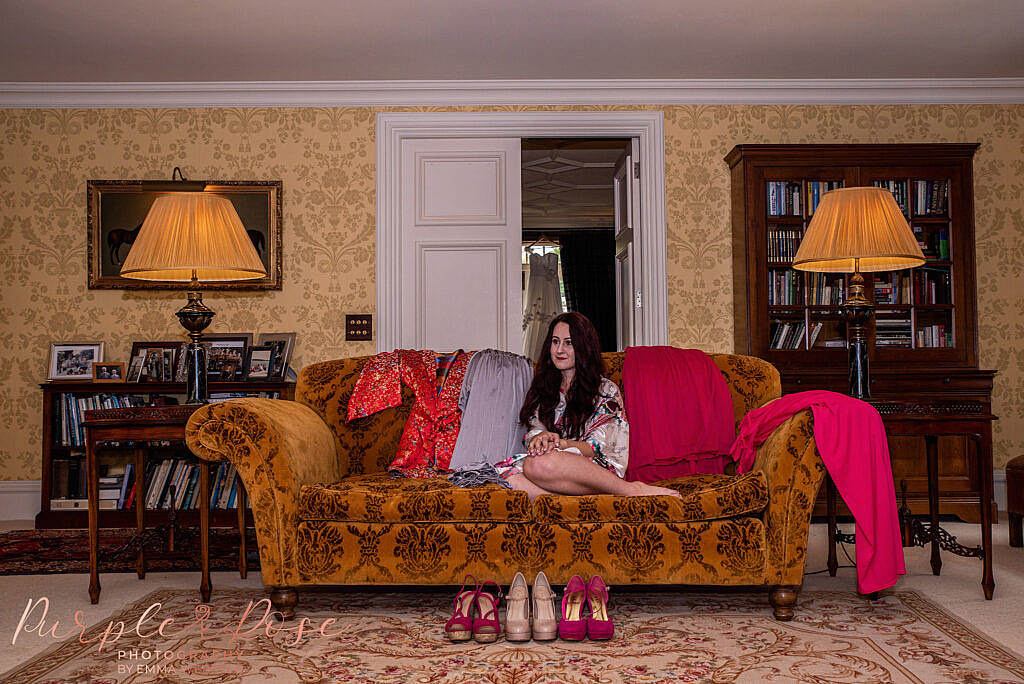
(704, 497)
(381, 498)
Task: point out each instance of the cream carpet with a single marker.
(928, 629)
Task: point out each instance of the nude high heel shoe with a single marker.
(517, 610)
(545, 616)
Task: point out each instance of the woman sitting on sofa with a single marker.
(578, 438)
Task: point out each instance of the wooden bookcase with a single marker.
(923, 339)
(52, 447)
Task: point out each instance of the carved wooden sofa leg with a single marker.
(283, 599)
(783, 599)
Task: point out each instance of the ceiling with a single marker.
(569, 183)
(328, 40)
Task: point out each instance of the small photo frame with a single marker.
(225, 355)
(73, 360)
(135, 366)
(282, 344)
(108, 372)
(258, 362)
(158, 361)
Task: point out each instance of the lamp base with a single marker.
(195, 317)
(857, 311)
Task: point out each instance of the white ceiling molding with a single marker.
(520, 92)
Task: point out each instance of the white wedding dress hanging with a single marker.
(541, 303)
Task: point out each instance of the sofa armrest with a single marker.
(277, 447)
(794, 470)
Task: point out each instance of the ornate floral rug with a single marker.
(661, 636)
(43, 552)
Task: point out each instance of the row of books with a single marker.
(934, 336)
(898, 188)
(824, 289)
(790, 334)
(784, 198)
(816, 190)
(72, 406)
(784, 287)
(932, 286)
(782, 244)
(892, 332)
(892, 288)
(933, 243)
(932, 197)
(172, 482)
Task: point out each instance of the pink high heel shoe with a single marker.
(599, 625)
(573, 625)
(486, 627)
(460, 625)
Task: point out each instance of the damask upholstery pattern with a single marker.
(381, 498)
(704, 497)
(325, 157)
(719, 552)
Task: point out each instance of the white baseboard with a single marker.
(19, 499)
(999, 488)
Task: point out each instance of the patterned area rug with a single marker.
(43, 552)
(664, 636)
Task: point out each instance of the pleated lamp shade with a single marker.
(192, 232)
(858, 229)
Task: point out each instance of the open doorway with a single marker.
(568, 257)
(449, 225)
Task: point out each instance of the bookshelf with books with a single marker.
(171, 471)
(923, 338)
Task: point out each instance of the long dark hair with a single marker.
(586, 381)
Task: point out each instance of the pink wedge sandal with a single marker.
(486, 627)
(460, 625)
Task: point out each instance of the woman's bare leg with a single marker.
(520, 482)
(565, 472)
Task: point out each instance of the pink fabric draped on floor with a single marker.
(851, 440)
(679, 412)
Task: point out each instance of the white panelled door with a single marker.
(461, 242)
(629, 294)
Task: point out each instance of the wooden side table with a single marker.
(931, 420)
(140, 425)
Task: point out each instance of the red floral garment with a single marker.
(425, 449)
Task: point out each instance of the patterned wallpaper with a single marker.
(326, 159)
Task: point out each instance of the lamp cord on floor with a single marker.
(846, 553)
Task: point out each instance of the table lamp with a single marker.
(857, 230)
(193, 237)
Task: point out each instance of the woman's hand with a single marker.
(542, 443)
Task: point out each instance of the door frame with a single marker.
(647, 126)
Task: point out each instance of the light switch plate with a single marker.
(358, 327)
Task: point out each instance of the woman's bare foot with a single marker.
(644, 489)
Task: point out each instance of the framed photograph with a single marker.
(282, 344)
(117, 208)
(108, 372)
(135, 367)
(154, 361)
(258, 362)
(73, 360)
(225, 355)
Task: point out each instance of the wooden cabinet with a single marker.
(923, 339)
(62, 440)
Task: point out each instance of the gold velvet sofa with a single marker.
(326, 513)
